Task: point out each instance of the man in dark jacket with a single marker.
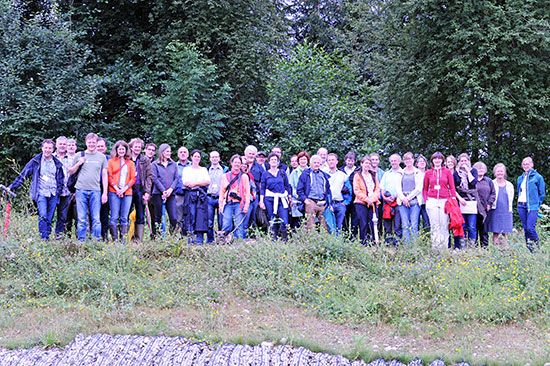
(141, 190)
(314, 192)
(47, 183)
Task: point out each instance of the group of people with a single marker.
(259, 190)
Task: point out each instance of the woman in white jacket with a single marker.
(500, 216)
(409, 198)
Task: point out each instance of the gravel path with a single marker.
(108, 350)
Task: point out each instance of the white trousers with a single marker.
(439, 222)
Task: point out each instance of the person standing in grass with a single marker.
(141, 190)
(275, 197)
(367, 197)
(500, 220)
(531, 190)
(486, 197)
(314, 193)
(165, 181)
(234, 198)
(438, 187)
(422, 166)
(122, 176)
(65, 196)
(409, 193)
(466, 178)
(295, 214)
(48, 180)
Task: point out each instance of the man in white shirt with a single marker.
(388, 188)
(337, 182)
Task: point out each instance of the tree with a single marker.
(43, 90)
(467, 76)
(315, 100)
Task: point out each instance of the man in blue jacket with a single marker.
(531, 190)
(314, 192)
(47, 183)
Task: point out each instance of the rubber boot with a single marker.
(274, 234)
(471, 243)
(114, 231)
(138, 233)
(123, 232)
(284, 235)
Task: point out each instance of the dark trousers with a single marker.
(151, 206)
(62, 210)
(351, 223)
(482, 233)
(71, 215)
(213, 209)
(104, 219)
(425, 218)
(170, 210)
(364, 215)
(137, 202)
(392, 229)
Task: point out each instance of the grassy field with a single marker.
(326, 293)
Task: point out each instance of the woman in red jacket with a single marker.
(122, 176)
(439, 185)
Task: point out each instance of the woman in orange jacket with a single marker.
(122, 176)
(367, 194)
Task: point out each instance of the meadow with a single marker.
(485, 306)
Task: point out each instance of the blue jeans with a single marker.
(282, 214)
(409, 221)
(339, 214)
(88, 200)
(529, 222)
(62, 210)
(212, 208)
(46, 209)
(425, 217)
(470, 232)
(230, 210)
(120, 208)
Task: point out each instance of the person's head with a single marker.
(214, 157)
(450, 162)
(499, 171)
(374, 160)
(47, 148)
(244, 164)
(135, 145)
(277, 150)
(422, 162)
(150, 150)
(273, 160)
(481, 169)
(315, 162)
(61, 144)
(183, 154)
(71, 146)
(165, 151)
(294, 161)
(261, 157)
(303, 159)
(395, 161)
(120, 150)
(235, 162)
(250, 152)
(332, 161)
(408, 159)
(463, 161)
(366, 164)
(350, 159)
(437, 159)
(196, 157)
(102, 145)
(323, 153)
(527, 164)
(91, 142)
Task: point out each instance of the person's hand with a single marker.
(81, 160)
(104, 198)
(145, 197)
(245, 211)
(262, 205)
(462, 201)
(488, 208)
(307, 201)
(406, 202)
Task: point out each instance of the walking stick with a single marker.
(8, 208)
(375, 223)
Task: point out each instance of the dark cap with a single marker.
(261, 153)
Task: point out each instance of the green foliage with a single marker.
(315, 100)
(44, 91)
(187, 108)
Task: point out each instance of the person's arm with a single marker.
(27, 170)
(156, 178)
(132, 173)
(359, 188)
(399, 191)
(148, 179)
(417, 185)
(541, 189)
(452, 188)
(78, 164)
(492, 194)
(104, 197)
(262, 190)
(301, 187)
(246, 182)
(376, 192)
(426, 185)
(223, 191)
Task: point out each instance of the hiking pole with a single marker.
(375, 223)
(8, 208)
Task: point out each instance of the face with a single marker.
(260, 159)
(450, 163)
(277, 152)
(121, 151)
(323, 153)
(332, 162)
(196, 158)
(500, 172)
(244, 164)
(250, 155)
(315, 164)
(167, 153)
(101, 146)
(150, 151)
(375, 160)
(61, 146)
(183, 154)
(366, 165)
(235, 164)
(481, 172)
(273, 162)
(91, 144)
(71, 147)
(302, 162)
(350, 163)
(395, 161)
(136, 148)
(438, 161)
(47, 150)
(527, 164)
(294, 162)
(214, 157)
(421, 164)
(464, 162)
(408, 160)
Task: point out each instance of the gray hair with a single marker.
(480, 165)
(251, 148)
